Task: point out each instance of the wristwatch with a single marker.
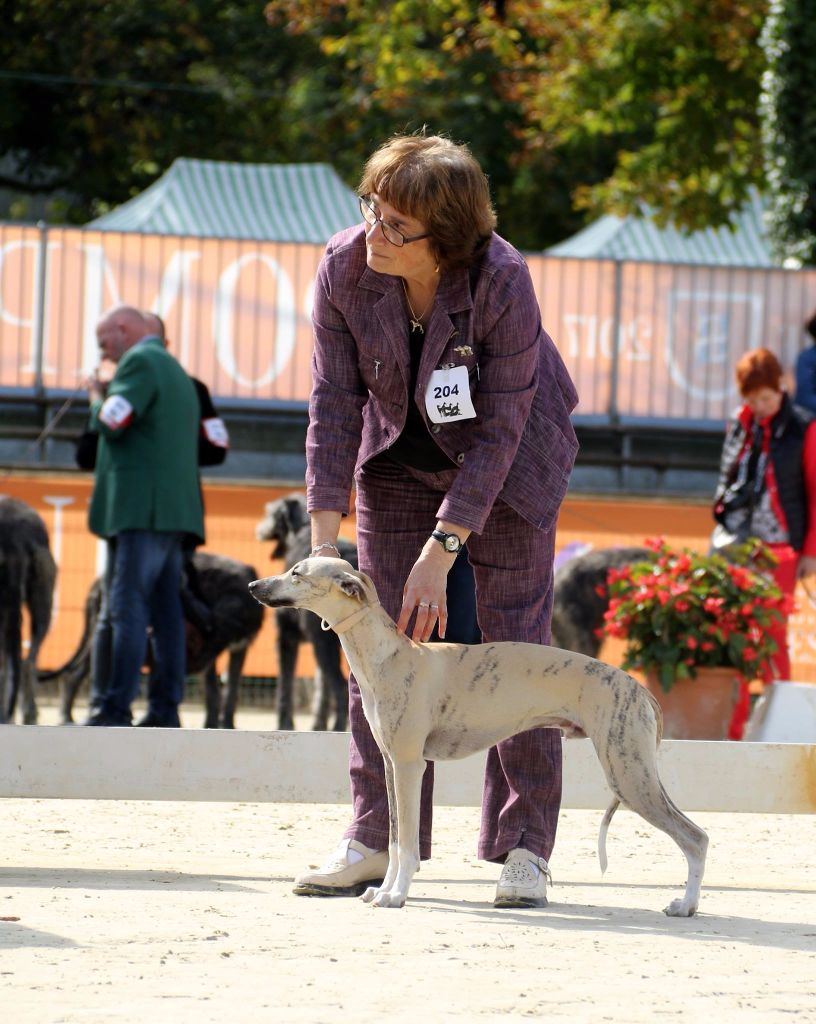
(449, 541)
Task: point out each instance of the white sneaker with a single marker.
(520, 884)
(342, 875)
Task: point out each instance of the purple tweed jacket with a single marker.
(521, 446)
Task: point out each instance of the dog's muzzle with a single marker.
(263, 592)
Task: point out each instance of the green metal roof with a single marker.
(217, 199)
(639, 238)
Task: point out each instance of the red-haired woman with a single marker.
(767, 486)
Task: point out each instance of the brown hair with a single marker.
(439, 183)
(758, 368)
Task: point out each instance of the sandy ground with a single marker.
(137, 911)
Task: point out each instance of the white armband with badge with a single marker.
(215, 430)
(116, 412)
(447, 397)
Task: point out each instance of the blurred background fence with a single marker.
(647, 343)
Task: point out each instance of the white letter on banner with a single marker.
(97, 274)
(15, 319)
(175, 280)
(282, 315)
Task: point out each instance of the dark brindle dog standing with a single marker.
(286, 524)
(235, 620)
(27, 577)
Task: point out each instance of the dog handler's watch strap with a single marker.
(449, 541)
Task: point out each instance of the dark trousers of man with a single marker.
(512, 561)
(141, 589)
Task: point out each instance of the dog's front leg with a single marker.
(393, 856)
(404, 784)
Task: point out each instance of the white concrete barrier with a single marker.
(306, 767)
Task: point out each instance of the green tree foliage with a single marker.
(450, 65)
(789, 128)
(674, 84)
(571, 108)
(604, 106)
(97, 98)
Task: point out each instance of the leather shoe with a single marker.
(338, 877)
(152, 720)
(106, 718)
(520, 884)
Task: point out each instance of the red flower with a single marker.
(685, 609)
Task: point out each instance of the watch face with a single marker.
(452, 543)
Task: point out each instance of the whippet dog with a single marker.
(446, 701)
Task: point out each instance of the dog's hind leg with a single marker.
(70, 683)
(212, 697)
(634, 779)
(40, 580)
(337, 684)
(333, 683)
(287, 621)
(28, 675)
(235, 669)
(404, 784)
(14, 671)
(320, 722)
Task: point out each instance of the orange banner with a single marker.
(643, 341)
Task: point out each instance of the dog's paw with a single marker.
(385, 898)
(680, 908)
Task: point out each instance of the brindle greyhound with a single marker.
(446, 701)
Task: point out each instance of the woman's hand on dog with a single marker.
(426, 593)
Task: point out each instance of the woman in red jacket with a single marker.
(767, 486)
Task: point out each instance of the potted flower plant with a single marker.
(696, 623)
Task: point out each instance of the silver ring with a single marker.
(435, 607)
(424, 604)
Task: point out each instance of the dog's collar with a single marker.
(349, 621)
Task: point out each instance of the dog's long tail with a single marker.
(604, 829)
(78, 664)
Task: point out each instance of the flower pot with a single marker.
(697, 709)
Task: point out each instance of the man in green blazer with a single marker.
(146, 497)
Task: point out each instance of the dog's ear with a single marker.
(279, 530)
(296, 517)
(352, 586)
(359, 586)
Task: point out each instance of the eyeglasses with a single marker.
(372, 216)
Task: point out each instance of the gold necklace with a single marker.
(416, 321)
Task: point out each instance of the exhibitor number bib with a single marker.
(447, 397)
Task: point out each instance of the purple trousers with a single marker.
(513, 566)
